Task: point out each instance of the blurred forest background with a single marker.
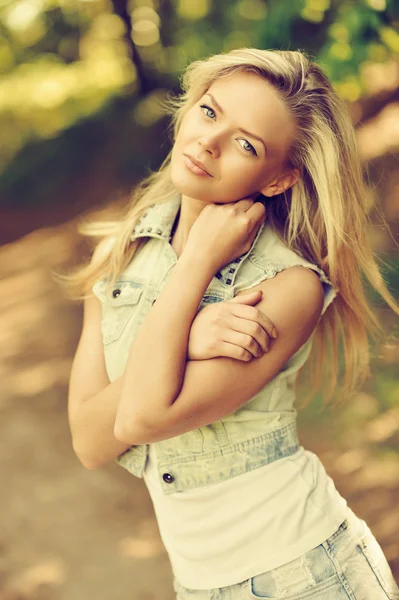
(81, 120)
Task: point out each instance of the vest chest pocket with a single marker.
(118, 307)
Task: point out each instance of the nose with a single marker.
(210, 143)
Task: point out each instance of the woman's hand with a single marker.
(233, 328)
(223, 232)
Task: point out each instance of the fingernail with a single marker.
(274, 333)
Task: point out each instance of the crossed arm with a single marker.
(164, 395)
(161, 394)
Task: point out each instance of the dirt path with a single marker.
(72, 534)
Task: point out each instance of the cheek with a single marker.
(188, 127)
(186, 137)
(263, 173)
(241, 172)
(236, 184)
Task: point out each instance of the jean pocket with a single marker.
(310, 575)
(118, 306)
(375, 557)
(338, 533)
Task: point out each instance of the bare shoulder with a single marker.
(297, 284)
(296, 275)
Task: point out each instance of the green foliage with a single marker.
(63, 61)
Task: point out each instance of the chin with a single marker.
(192, 189)
(197, 187)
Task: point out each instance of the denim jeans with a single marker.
(349, 565)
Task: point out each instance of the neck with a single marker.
(190, 210)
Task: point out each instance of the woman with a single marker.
(243, 254)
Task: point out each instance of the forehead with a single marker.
(252, 102)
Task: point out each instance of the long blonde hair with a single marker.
(323, 217)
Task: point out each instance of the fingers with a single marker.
(256, 213)
(249, 335)
(235, 351)
(244, 204)
(255, 210)
(252, 214)
(252, 313)
(255, 216)
(248, 297)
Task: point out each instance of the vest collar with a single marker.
(157, 222)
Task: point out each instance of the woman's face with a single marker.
(240, 163)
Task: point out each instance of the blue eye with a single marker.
(208, 108)
(251, 148)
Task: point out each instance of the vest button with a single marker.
(116, 293)
(168, 478)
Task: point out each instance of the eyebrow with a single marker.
(220, 109)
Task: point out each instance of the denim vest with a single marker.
(260, 431)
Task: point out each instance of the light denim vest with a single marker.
(264, 428)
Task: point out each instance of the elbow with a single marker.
(89, 462)
(131, 433)
(122, 434)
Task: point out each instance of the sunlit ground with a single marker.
(72, 534)
(67, 533)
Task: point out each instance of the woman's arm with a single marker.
(155, 394)
(163, 396)
(157, 360)
(92, 399)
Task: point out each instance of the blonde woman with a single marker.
(235, 264)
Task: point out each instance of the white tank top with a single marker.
(225, 533)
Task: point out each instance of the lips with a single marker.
(198, 163)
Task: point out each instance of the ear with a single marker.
(281, 183)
